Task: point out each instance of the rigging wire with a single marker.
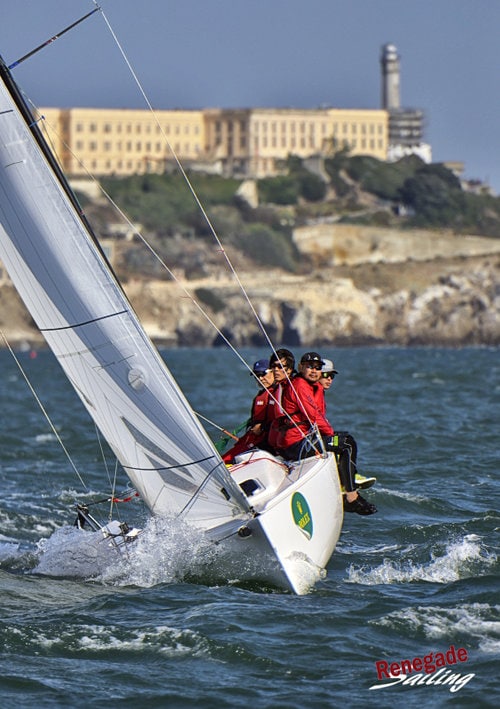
(53, 39)
(112, 482)
(43, 410)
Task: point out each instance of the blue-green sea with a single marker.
(419, 577)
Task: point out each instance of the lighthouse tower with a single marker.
(406, 125)
(389, 61)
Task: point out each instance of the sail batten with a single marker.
(73, 326)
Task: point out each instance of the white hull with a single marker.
(298, 521)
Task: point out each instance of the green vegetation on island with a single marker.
(343, 188)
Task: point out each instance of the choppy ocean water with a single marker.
(420, 577)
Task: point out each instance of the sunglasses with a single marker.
(328, 375)
(262, 374)
(313, 366)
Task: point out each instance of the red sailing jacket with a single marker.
(304, 402)
(259, 407)
(250, 440)
(274, 412)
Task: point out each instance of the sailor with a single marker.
(282, 363)
(256, 432)
(328, 373)
(303, 403)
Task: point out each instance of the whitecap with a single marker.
(166, 640)
(8, 551)
(45, 438)
(461, 559)
(471, 622)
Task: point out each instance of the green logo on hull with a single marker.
(302, 514)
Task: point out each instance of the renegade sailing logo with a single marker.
(302, 514)
(434, 670)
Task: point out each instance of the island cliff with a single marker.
(369, 286)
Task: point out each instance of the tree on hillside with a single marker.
(435, 195)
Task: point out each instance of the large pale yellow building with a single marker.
(250, 142)
(255, 142)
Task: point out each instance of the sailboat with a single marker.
(274, 521)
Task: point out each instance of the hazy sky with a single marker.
(276, 53)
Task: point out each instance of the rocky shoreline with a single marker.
(442, 302)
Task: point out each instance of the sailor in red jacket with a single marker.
(303, 404)
(256, 433)
(282, 362)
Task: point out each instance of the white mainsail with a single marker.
(91, 328)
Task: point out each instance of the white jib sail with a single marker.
(89, 325)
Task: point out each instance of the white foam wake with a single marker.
(165, 551)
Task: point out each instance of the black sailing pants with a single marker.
(346, 450)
